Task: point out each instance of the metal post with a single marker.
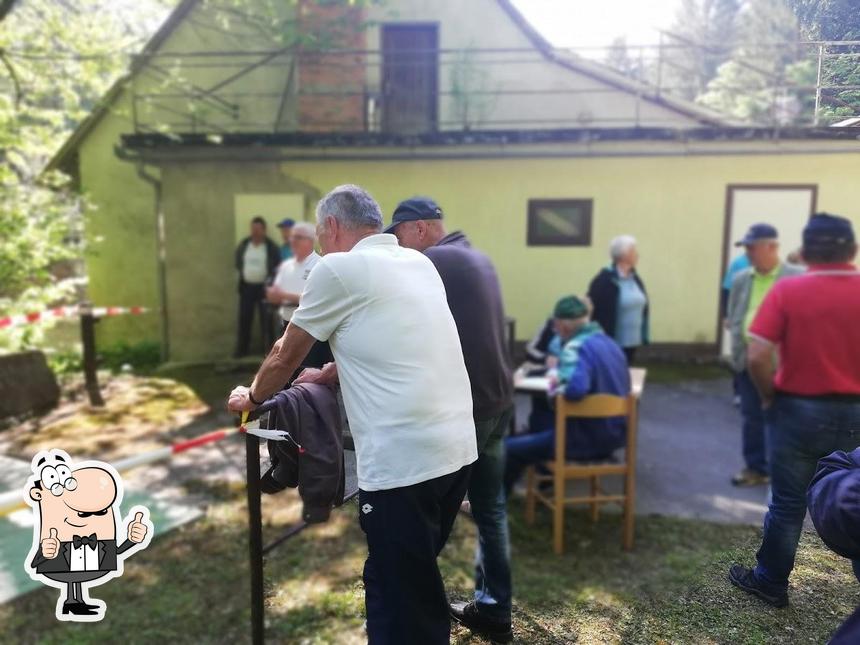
(818, 85)
(88, 340)
(255, 537)
(660, 65)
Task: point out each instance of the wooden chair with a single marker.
(593, 407)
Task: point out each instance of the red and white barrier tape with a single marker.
(12, 500)
(66, 312)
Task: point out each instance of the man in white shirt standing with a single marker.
(286, 290)
(292, 274)
(406, 391)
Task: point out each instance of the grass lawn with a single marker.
(191, 586)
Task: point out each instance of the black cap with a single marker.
(757, 233)
(824, 229)
(286, 223)
(412, 210)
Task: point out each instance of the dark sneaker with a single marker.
(745, 579)
(493, 629)
(749, 477)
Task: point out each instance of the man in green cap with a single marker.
(590, 363)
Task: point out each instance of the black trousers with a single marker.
(406, 529)
(250, 300)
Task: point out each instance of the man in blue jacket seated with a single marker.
(834, 506)
(590, 363)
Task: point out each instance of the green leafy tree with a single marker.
(700, 40)
(58, 58)
(753, 85)
(618, 57)
(833, 20)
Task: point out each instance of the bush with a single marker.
(142, 356)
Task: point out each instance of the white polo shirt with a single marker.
(292, 276)
(384, 312)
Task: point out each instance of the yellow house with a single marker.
(541, 157)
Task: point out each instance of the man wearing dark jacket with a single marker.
(834, 506)
(256, 259)
(475, 300)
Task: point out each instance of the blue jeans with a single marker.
(755, 454)
(526, 449)
(800, 432)
(489, 508)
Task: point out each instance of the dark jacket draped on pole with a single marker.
(834, 506)
(310, 413)
(604, 292)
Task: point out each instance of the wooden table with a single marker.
(537, 384)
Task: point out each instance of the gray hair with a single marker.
(306, 229)
(353, 208)
(619, 246)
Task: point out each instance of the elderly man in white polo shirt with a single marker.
(289, 282)
(384, 311)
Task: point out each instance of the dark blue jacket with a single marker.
(834, 505)
(601, 368)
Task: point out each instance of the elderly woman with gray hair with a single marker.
(619, 297)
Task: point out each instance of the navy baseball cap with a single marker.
(824, 229)
(286, 223)
(412, 210)
(757, 233)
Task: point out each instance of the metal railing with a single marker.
(346, 91)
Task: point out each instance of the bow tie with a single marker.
(86, 540)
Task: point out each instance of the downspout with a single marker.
(160, 243)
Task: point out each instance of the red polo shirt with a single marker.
(815, 320)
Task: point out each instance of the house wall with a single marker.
(673, 205)
(486, 26)
(121, 255)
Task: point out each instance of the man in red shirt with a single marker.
(812, 401)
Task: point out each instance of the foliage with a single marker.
(142, 357)
(618, 57)
(834, 20)
(58, 59)
(65, 362)
(700, 40)
(748, 86)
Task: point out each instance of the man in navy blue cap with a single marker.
(834, 506)
(475, 300)
(749, 287)
(812, 400)
(286, 226)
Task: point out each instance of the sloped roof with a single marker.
(606, 74)
(576, 64)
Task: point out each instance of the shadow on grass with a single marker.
(192, 586)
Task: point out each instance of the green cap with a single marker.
(570, 308)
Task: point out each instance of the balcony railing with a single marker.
(366, 91)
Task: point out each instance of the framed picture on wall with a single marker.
(559, 222)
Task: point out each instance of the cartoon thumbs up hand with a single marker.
(137, 529)
(51, 545)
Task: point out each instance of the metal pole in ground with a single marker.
(88, 340)
(255, 537)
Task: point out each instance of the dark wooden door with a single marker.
(410, 78)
